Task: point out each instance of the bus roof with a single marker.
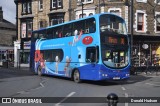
(95, 15)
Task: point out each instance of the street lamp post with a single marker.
(81, 3)
(82, 8)
(99, 6)
(131, 29)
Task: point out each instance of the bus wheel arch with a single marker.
(75, 76)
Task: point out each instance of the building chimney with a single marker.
(1, 14)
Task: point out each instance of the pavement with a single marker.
(16, 71)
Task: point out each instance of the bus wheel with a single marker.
(76, 76)
(39, 71)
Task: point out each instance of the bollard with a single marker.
(112, 99)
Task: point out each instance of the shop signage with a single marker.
(27, 45)
(145, 46)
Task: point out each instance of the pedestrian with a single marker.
(147, 63)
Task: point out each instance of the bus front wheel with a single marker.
(39, 71)
(76, 76)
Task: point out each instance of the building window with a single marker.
(140, 21)
(55, 4)
(29, 7)
(86, 12)
(59, 3)
(29, 28)
(115, 0)
(157, 25)
(40, 5)
(40, 24)
(84, 1)
(56, 18)
(23, 30)
(26, 8)
(26, 28)
(90, 14)
(116, 11)
(144, 1)
(157, 2)
(84, 15)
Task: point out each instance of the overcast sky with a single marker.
(9, 10)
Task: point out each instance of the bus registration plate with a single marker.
(116, 78)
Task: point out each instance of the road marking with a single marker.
(123, 88)
(23, 92)
(69, 95)
(126, 95)
(41, 85)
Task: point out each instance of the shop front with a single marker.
(6, 54)
(22, 56)
(145, 48)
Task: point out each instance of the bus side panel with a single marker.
(90, 71)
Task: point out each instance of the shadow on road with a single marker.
(12, 72)
(133, 79)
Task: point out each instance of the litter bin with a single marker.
(5, 64)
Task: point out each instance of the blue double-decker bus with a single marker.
(91, 48)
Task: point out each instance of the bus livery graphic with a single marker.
(92, 48)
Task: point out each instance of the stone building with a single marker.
(146, 39)
(36, 14)
(7, 36)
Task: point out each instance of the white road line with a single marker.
(41, 85)
(126, 95)
(23, 92)
(69, 95)
(123, 88)
(72, 93)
